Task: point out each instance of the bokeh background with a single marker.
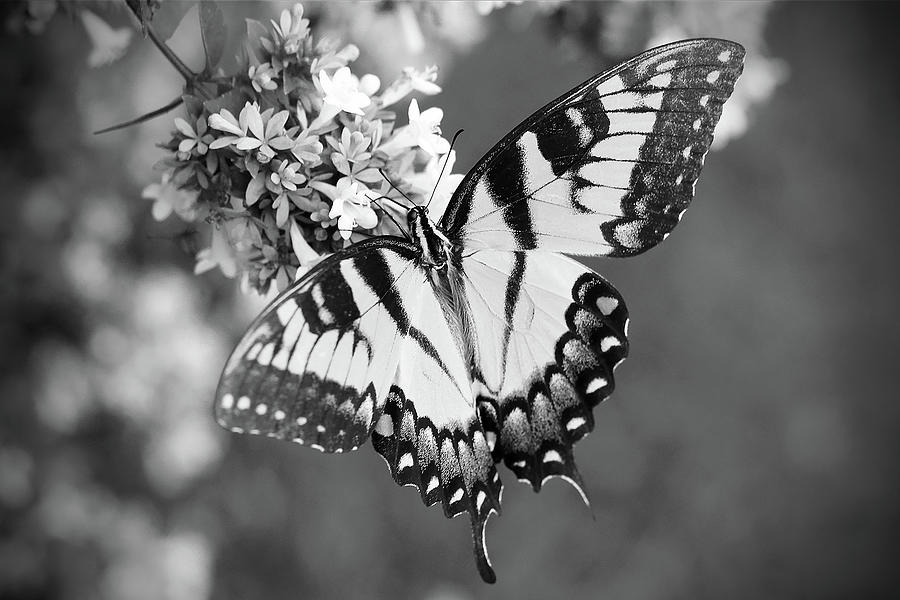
(751, 448)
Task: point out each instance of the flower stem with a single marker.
(189, 76)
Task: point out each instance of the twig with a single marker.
(189, 76)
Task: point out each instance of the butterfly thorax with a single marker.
(433, 244)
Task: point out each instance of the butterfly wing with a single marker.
(316, 366)
(430, 434)
(544, 355)
(606, 169)
(361, 346)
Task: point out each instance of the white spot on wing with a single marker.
(243, 403)
(661, 80)
(666, 65)
(227, 401)
(713, 76)
(405, 462)
(607, 304)
(320, 428)
(704, 100)
(574, 423)
(432, 485)
(279, 415)
(261, 409)
(609, 342)
(480, 499)
(552, 456)
(301, 421)
(724, 56)
(491, 438)
(385, 426)
(457, 496)
(595, 385)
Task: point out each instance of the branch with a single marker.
(189, 76)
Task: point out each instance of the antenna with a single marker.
(444, 166)
(396, 189)
(391, 217)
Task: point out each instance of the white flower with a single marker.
(424, 131)
(168, 197)
(292, 29)
(220, 254)
(350, 205)
(342, 91)
(436, 188)
(108, 44)
(266, 131)
(262, 77)
(485, 7)
(302, 250)
(198, 138)
(411, 80)
(369, 84)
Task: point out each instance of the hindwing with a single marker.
(544, 356)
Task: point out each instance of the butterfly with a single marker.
(474, 340)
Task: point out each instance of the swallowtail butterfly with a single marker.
(475, 341)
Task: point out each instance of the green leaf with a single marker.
(213, 32)
(150, 115)
(192, 104)
(168, 16)
(255, 32)
(233, 101)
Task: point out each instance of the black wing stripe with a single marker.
(305, 371)
(644, 126)
(506, 181)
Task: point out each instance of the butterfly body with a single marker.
(474, 341)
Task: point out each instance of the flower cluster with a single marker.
(298, 156)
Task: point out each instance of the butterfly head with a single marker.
(432, 242)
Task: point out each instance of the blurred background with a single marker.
(751, 447)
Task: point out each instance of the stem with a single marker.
(190, 77)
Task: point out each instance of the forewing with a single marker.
(316, 366)
(430, 434)
(608, 168)
(548, 333)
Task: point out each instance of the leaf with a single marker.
(233, 101)
(256, 31)
(213, 32)
(192, 104)
(168, 16)
(146, 117)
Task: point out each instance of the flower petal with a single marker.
(255, 189)
(225, 122)
(248, 143)
(250, 115)
(182, 126)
